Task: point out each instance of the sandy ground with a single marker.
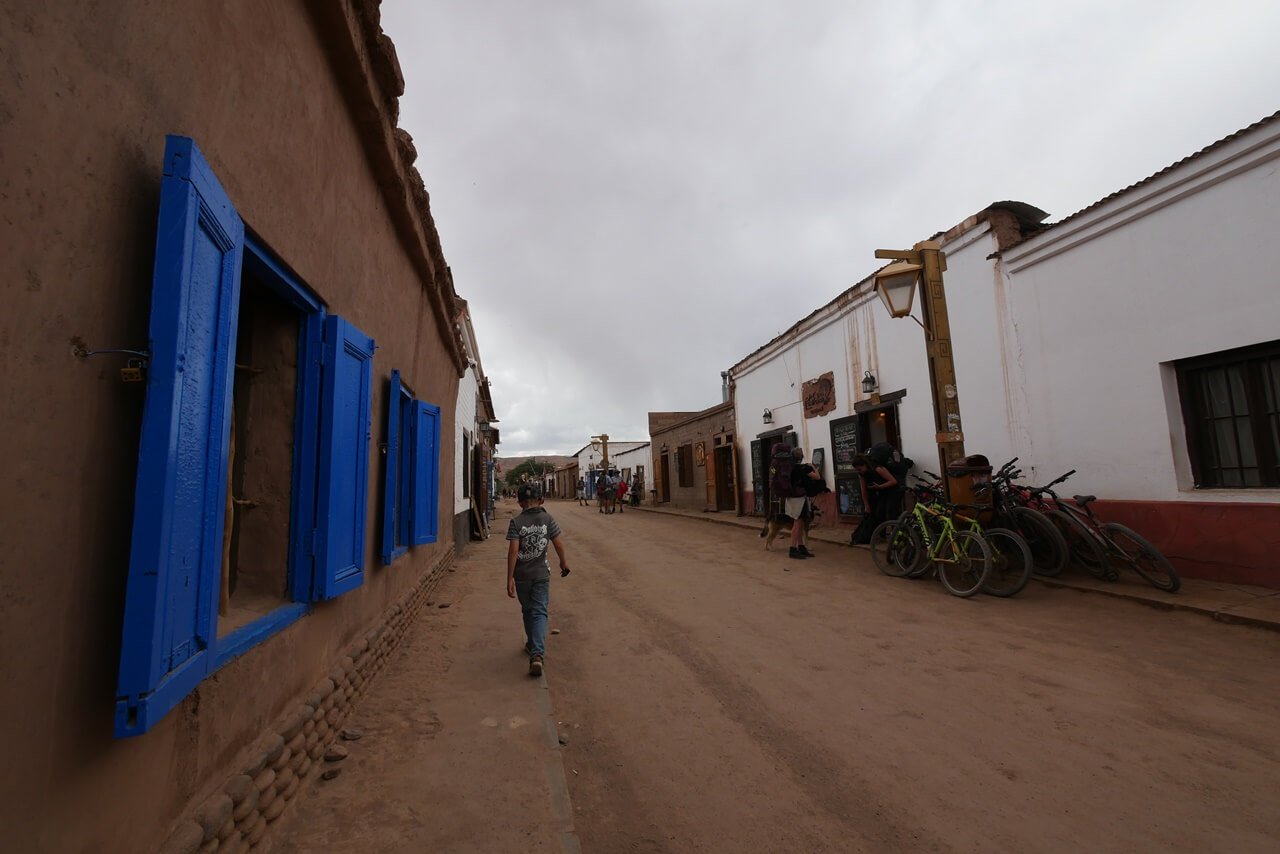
(717, 697)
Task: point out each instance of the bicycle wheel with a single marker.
(1145, 558)
(1049, 553)
(1010, 562)
(1083, 545)
(920, 563)
(964, 564)
(887, 540)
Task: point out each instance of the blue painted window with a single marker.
(398, 475)
(170, 639)
(426, 472)
(343, 474)
(410, 498)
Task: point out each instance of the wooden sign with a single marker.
(819, 396)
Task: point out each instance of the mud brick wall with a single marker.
(238, 817)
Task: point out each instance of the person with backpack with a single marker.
(789, 481)
(882, 479)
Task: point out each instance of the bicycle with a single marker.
(1049, 550)
(1011, 559)
(925, 538)
(1099, 546)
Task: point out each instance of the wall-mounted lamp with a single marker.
(869, 383)
(768, 416)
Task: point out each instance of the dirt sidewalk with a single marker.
(459, 750)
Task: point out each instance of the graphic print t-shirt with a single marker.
(535, 529)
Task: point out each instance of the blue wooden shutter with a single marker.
(343, 471)
(175, 563)
(426, 472)
(391, 505)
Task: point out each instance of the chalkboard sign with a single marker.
(844, 446)
(849, 497)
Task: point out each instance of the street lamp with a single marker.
(896, 284)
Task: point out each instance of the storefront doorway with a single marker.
(873, 421)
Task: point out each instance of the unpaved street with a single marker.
(720, 703)
(711, 700)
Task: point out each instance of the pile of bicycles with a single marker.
(1029, 529)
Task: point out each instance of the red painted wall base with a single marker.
(1231, 542)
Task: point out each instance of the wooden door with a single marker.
(709, 464)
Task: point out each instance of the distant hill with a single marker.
(552, 462)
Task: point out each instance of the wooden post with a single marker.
(942, 366)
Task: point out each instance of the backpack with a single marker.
(884, 454)
(780, 473)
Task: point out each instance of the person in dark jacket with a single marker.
(881, 497)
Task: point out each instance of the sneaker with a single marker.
(795, 554)
(528, 650)
(535, 666)
(804, 551)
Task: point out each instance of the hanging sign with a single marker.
(819, 395)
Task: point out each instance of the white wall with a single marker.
(1063, 347)
(638, 456)
(465, 419)
(589, 456)
(1102, 304)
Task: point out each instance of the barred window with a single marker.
(1230, 407)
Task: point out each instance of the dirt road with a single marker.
(715, 697)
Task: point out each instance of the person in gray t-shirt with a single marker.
(528, 575)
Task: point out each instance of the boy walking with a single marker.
(528, 575)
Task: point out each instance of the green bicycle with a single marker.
(925, 538)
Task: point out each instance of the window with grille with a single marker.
(1230, 407)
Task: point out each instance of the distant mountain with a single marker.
(552, 462)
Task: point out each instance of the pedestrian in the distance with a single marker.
(582, 492)
(602, 490)
(528, 575)
(622, 493)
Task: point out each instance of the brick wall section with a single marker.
(238, 817)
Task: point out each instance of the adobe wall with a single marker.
(90, 91)
(703, 429)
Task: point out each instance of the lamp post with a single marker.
(604, 453)
(896, 284)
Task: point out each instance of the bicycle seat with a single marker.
(1082, 500)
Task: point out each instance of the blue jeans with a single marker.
(534, 595)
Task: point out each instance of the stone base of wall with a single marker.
(237, 819)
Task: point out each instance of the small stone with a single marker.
(336, 753)
(330, 773)
(555, 631)
(444, 604)
(352, 734)
(431, 602)
(564, 739)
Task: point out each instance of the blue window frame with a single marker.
(410, 504)
(426, 472)
(169, 636)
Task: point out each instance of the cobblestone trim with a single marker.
(238, 817)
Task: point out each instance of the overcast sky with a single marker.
(635, 195)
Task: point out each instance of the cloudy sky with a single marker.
(635, 195)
